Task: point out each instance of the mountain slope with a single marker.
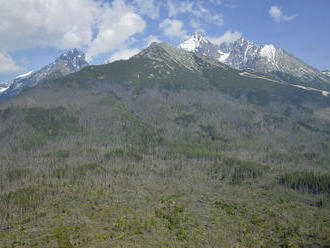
(166, 149)
(67, 63)
(164, 69)
(167, 67)
(268, 59)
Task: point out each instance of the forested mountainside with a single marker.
(167, 149)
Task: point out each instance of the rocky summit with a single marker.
(69, 62)
(267, 59)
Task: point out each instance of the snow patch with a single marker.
(24, 75)
(193, 43)
(223, 56)
(246, 51)
(269, 52)
(3, 89)
(190, 45)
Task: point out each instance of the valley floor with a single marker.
(118, 197)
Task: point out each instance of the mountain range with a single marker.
(68, 62)
(169, 148)
(149, 87)
(267, 59)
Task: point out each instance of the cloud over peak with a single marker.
(228, 36)
(173, 28)
(278, 16)
(123, 55)
(116, 24)
(98, 25)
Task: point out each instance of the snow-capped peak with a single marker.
(200, 36)
(241, 40)
(194, 42)
(268, 51)
(25, 75)
(69, 62)
(245, 55)
(74, 58)
(71, 54)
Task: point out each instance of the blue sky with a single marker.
(35, 34)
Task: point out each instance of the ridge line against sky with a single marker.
(37, 31)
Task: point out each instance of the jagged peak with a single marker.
(74, 59)
(72, 53)
(241, 42)
(241, 39)
(199, 35)
(194, 42)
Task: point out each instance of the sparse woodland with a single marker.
(99, 164)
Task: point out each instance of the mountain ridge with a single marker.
(168, 67)
(268, 59)
(70, 61)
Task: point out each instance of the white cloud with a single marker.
(176, 8)
(63, 24)
(278, 16)
(231, 4)
(195, 24)
(123, 55)
(150, 39)
(32, 23)
(216, 19)
(7, 64)
(228, 36)
(216, 2)
(117, 23)
(173, 28)
(147, 7)
(127, 53)
(197, 9)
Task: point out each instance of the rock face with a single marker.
(69, 62)
(246, 55)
